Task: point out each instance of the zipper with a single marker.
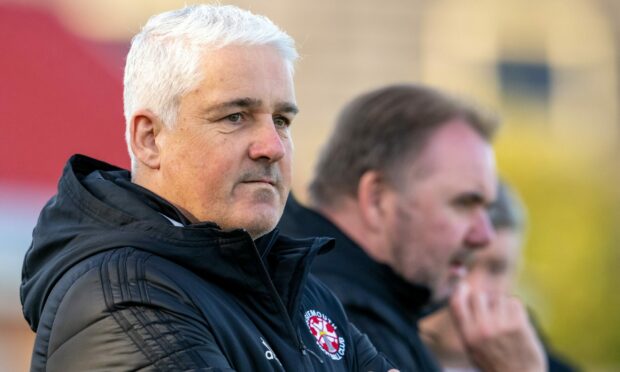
(305, 351)
(288, 322)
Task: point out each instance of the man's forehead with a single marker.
(456, 150)
(239, 71)
(456, 137)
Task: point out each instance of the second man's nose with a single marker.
(481, 231)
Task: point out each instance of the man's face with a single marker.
(227, 159)
(493, 268)
(440, 209)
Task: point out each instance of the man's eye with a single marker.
(498, 268)
(469, 201)
(235, 118)
(281, 121)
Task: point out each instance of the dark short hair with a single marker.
(383, 128)
(507, 212)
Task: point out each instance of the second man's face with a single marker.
(441, 215)
(228, 157)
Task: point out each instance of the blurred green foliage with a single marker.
(571, 261)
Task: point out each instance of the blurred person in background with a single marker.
(176, 265)
(492, 269)
(403, 185)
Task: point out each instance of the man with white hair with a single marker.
(176, 265)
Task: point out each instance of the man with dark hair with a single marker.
(176, 266)
(492, 269)
(403, 184)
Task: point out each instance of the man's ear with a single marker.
(373, 194)
(144, 129)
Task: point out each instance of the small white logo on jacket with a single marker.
(269, 354)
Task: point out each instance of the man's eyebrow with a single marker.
(235, 103)
(472, 197)
(287, 107)
(247, 102)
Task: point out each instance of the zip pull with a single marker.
(306, 351)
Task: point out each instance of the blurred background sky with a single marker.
(550, 68)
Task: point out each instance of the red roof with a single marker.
(57, 97)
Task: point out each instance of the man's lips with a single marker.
(264, 180)
(267, 176)
(458, 269)
(459, 265)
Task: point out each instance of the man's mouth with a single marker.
(458, 270)
(266, 177)
(262, 180)
(458, 265)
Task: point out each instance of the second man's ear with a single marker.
(373, 193)
(144, 129)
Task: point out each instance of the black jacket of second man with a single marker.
(377, 301)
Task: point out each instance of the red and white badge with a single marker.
(325, 334)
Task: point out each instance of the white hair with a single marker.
(163, 63)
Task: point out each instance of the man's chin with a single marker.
(437, 302)
(259, 216)
(442, 294)
(440, 298)
(259, 232)
(261, 226)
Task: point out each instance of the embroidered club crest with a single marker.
(325, 333)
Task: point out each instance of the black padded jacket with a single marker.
(110, 284)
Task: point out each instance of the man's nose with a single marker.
(267, 141)
(481, 232)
